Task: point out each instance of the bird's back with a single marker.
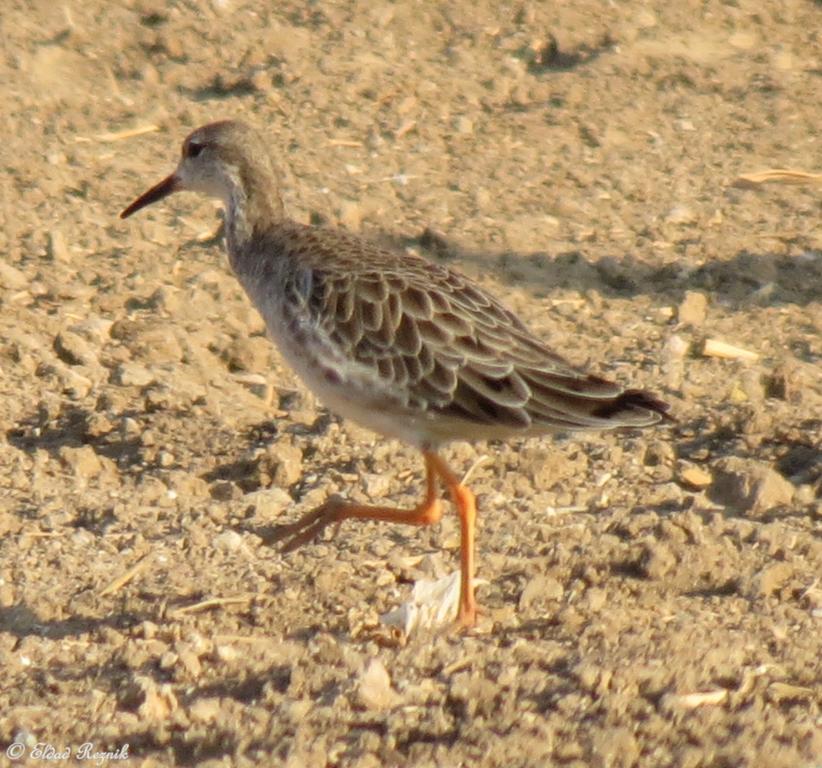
(421, 340)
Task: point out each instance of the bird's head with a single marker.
(225, 160)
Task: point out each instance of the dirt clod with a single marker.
(749, 486)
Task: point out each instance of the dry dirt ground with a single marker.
(652, 599)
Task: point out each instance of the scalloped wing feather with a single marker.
(445, 347)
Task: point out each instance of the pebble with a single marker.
(74, 384)
(657, 560)
(749, 486)
(286, 463)
(190, 662)
(83, 461)
(549, 468)
(771, 579)
(224, 490)
(658, 453)
(595, 599)
(229, 541)
(159, 701)
(73, 349)
(680, 214)
(167, 298)
(157, 345)
(376, 485)
(374, 687)
(615, 747)
(205, 710)
(248, 354)
(693, 476)
(693, 309)
(783, 383)
(132, 375)
(351, 215)
(57, 246)
(673, 361)
(540, 588)
(271, 502)
(12, 278)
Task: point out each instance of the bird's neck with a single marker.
(252, 206)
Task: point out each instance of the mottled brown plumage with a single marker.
(411, 349)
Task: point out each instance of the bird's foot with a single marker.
(311, 524)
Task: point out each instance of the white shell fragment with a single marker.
(433, 602)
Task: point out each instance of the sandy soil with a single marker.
(652, 599)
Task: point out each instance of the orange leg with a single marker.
(466, 506)
(428, 512)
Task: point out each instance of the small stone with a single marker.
(227, 653)
(257, 384)
(270, 502)
(595, 599)
(57, 246)
(250, 353)
(693, 309)
(228, 541)
(615, 747)
(83, 461)
(549, 468)
(588, 675)
(694, 477)
(205, 710)
(351, 215)
(749, 486)
(74, 384)
(165, 459)
(159, 701)
(465, 125)
(286, 463)
(673, 361)
(658, 453)
(186, 485)
(157, 345)
(374, 687)
(132, 375)
(74, 349)
(6, 595)
(540, 588)
(130, 428)
(260, 80)
(771, 579)
(657, 560)
(483, 200)
(11, 277)
(167, 298)
(376, 485)
(646, 19)
(224, 490)
(148, 630)
(744, 40)
(297, 710)
(680, 215)
(190, 662)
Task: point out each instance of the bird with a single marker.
(406, 347)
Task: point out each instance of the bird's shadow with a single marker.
(747, 279)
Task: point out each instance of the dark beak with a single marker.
(157, 192)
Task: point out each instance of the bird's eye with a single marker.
(193, 150)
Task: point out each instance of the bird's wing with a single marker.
(443, 345)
